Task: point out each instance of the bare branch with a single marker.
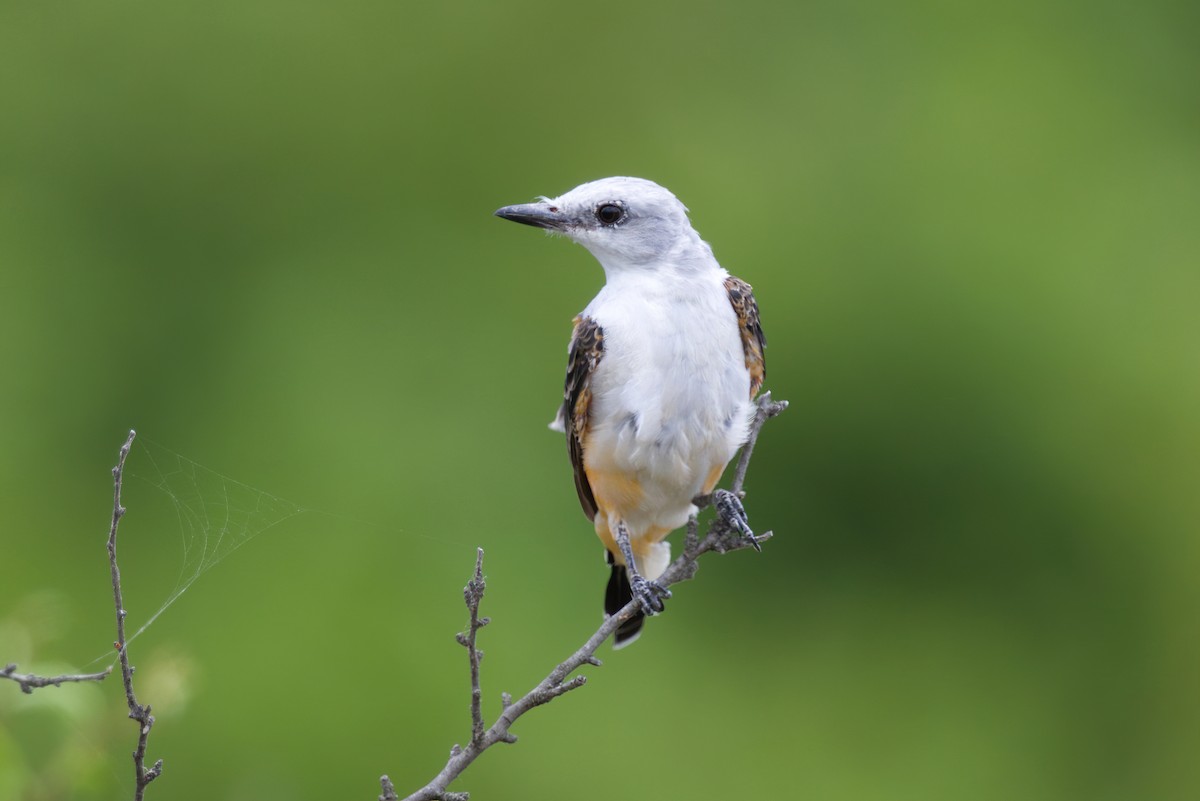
(767, 409)
(29, 682)
(141, 714)
(473, 594)
(719, 537)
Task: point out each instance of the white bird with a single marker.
(663, 366)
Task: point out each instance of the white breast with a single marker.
(670, 397)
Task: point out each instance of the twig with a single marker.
(137, 712)
(767, 409)
(473, 594)
(717, 538)
(29, 682)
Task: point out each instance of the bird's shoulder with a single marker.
(585, 350)
(754, 341)
(584, 355)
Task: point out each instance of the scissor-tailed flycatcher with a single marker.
(662, 368)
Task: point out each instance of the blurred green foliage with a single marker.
(259, 233)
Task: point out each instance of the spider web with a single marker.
(216, 514)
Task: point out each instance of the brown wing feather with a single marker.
(587, 348)
(754, 340)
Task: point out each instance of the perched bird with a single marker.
(662, 369)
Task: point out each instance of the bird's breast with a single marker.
(670, 398)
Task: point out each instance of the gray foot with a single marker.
(730, 508)
(650, 594)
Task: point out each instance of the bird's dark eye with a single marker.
(609, 213)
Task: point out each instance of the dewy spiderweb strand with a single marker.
(217, 514)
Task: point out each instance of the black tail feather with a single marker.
(616, 595)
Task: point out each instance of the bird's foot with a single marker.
(649, 594)
(729, 508)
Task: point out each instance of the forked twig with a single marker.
(141, 714)
(718, 537)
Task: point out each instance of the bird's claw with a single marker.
(649, 594)
(730, 508)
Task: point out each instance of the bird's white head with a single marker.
(626, 223)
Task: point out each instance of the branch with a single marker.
(719, 537)
(767, 409)
(473, 595)
(29, 682)
(137, 712)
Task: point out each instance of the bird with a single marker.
(663, 366)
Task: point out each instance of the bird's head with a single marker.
(623, 222)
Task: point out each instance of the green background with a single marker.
(260, 233)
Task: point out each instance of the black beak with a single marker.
(539, 215)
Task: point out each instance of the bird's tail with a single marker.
(618, 592)
(616, 595)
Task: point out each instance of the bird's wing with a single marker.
(741, 297)
(587, 348)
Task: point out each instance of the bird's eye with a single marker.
(609, 213)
